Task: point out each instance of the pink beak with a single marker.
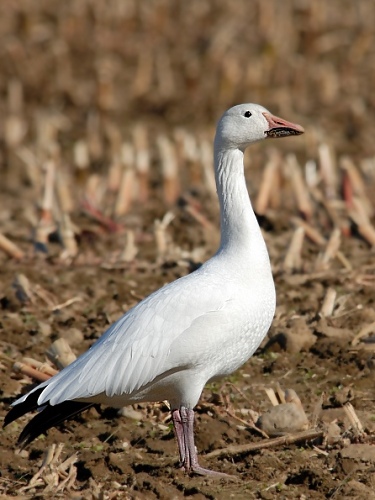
(281, 128)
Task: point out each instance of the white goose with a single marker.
(194, 330)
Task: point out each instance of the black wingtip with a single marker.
(49, 417)
(17, 411)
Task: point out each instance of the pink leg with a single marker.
(183, 421)
(179, 431)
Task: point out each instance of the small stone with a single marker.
(283, 419)
(23, 453)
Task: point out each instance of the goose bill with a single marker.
(281, 128)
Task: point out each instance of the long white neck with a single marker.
(240, 231)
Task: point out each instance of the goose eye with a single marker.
(247, 114)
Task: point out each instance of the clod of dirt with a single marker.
(44, 328)
(355, 489)
(339, 398)
(357, 457)
(322, 328)
(116, 461)
(284, 418)
(129, 412)
(13, 322)
(73, 336)
(298, 337)
(333, 433)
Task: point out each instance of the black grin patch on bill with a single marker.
(282, 132)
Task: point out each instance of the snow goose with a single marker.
(194, 330)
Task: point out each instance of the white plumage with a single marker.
(198, 328)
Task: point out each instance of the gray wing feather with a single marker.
(137, 348)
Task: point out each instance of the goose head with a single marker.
(244, 124)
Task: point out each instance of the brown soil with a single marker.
(135, 456)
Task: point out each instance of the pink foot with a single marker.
(183, 421)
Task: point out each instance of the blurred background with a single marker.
(185, 62)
